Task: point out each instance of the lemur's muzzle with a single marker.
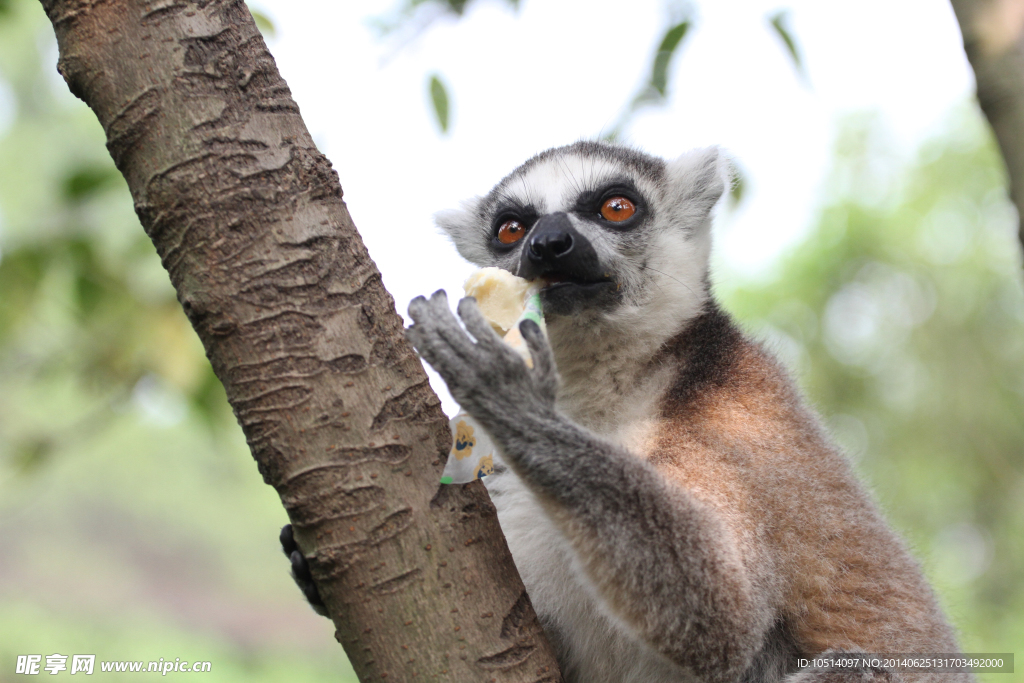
(556, 249)
(559, 254)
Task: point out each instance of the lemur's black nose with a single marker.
(550, 245)
(555, 246)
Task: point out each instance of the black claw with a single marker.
(530, 328)
(300, 570)
(288, 544)
(313, 597)
(300, 567)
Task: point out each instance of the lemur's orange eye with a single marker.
(617, 209)
(511, 231)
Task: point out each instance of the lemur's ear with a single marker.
(468, 230)
(696, 181)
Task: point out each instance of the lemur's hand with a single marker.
(488, 378)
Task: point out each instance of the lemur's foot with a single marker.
(300, 571)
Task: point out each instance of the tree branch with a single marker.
(248, 219)
(993, 34)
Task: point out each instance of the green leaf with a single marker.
(21, 271)
(32, 453)
(739, 185)
(5, 7)
(263, 23)
(439, 96)
(88, 180)
(88, 284)
(457, 6)
(659, 73)
(780, 22)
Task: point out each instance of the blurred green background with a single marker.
(133, 523)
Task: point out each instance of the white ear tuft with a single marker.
(698, 179)
(467, 230)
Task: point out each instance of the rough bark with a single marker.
(993, 34)
(248, 219)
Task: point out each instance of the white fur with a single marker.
(464, 221)
(554, 184)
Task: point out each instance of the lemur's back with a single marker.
(736, 434)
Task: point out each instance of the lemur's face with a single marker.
(608, 230)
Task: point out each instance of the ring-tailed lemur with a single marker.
(675, 510)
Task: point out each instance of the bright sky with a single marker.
(551, 74)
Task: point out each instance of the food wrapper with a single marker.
(474, 453)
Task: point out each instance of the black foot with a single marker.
(300, 571)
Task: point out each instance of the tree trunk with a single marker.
(993, 33)
(248, 219)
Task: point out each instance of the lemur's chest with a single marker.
(593, 645)
(616, 394)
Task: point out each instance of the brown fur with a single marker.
(736, 435)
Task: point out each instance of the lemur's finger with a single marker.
(438, 325)
(287, 539)
(447, 326)
(543, 358)
(448, 363)
(476, 324)
(423, 310)
(416, 337)
(300, 568)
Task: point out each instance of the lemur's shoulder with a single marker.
(720, 366)
(736, 433)
(730, 415)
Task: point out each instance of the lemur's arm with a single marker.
(661, 560)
